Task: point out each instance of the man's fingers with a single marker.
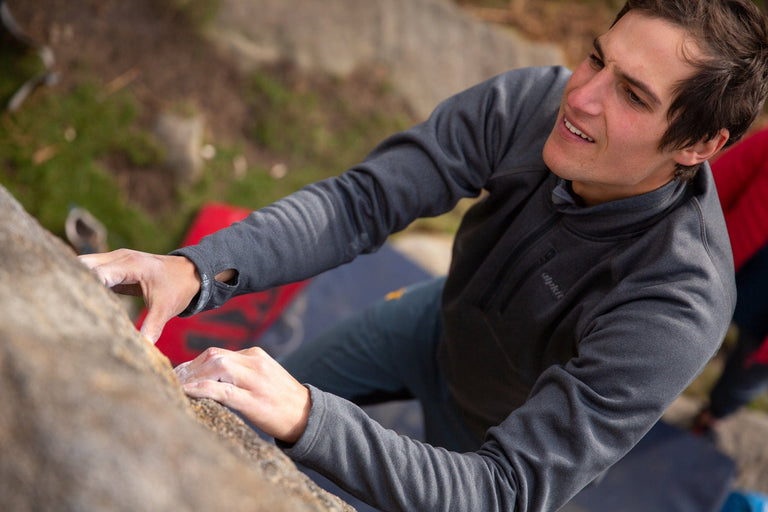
(223, 392)
(218, 374)
(95, 259)
(183, 372)
(112, 268)
(167, 283)
(221, 365)
(210, 365)
(151, 331)
(154, 322)
(253, 383)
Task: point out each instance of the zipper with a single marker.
(493, 290)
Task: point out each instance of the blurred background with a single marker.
(142, 111)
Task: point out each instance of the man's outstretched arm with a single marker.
(167, 283)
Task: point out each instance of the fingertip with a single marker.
(153, 324)
(150, 335)
(182, 373)
(195, 389)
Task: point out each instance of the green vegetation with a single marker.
(14, 67)
(50, 154)
(198, 13)
(56, 152)
(323, 131)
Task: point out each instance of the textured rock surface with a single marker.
(91, 415)
(740, 436)
(430, 47)
(181, 138)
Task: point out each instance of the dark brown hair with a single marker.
(730, 84)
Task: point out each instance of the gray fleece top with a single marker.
(568, 329)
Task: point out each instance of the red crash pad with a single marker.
(236, 325)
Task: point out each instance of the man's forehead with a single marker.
(637, 82)
(650, 53)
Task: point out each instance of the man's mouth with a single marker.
(576, 131)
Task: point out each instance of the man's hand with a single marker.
(251, 382)
(167, 283)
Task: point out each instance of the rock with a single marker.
(181, 137)
(91, 414)
(430, 251)
(431, 48)
(741, 436)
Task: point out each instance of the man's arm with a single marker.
(167, 283)
(421, 172)
(580, 419)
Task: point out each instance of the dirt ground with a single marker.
(148, 47)
(142, 44)
(139, 44)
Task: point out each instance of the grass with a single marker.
(197, 13)
(53, 152)
(50, 153)
(17, 68)
(323, 131)
(323, 134)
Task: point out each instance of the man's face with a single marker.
(614, 111)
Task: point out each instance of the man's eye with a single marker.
(634, 98)
(596, 61)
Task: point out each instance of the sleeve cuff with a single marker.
(303, 447)
(212, 293)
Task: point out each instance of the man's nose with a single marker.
(588, 97)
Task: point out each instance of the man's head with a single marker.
(634, 114)
(731, 78)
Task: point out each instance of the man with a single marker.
(586, 291)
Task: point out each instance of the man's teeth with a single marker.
(578, 132)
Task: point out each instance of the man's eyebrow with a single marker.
(634, 82)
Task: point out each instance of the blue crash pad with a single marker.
(669, 470)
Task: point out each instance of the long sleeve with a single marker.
(421, 172)
(580, 418)
(607, 329)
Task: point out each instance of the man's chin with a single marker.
(550, 156)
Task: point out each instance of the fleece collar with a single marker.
(622, 217)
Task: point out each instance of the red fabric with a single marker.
(237, 324)
(761, 354)
(741, 177)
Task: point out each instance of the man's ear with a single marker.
(702, 150)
